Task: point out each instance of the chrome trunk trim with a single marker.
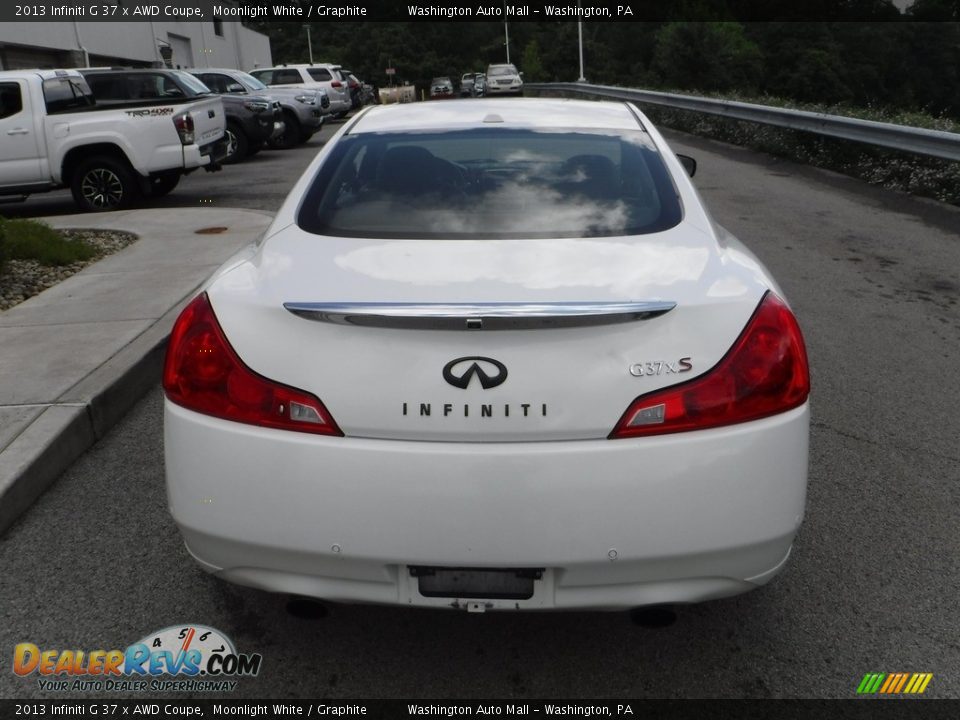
(479, 316)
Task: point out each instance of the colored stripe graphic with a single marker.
(903, 681)
(870, 683)
(894, 683)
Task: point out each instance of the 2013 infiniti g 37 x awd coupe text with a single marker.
(494, 354)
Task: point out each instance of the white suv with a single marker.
(319, 75)
(504, 80)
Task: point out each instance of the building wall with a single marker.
(60, 44)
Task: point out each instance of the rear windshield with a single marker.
(278, 77)
(491, 183)
(132, 86)
(66, 94)
(319, 74)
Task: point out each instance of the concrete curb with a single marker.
(68, 425)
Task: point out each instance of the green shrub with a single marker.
(31, 240)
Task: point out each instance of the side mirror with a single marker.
(689, 164)
(521, 74)
(235, 88)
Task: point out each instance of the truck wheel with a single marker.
(163, 184)
(236, 144)
(103, 183)
(291, 133)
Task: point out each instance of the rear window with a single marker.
(320, 74)
(66, 94)
(491, 183)
(278, 77)
(134, 86)
(11, 101)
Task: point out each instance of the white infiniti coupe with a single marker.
(490, 355)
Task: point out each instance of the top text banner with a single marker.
(393, 10)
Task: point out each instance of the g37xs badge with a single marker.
(661, 367)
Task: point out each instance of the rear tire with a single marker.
(291, 133)
(237, 144)
(102, 183)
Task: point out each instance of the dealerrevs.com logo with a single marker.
(187, 658)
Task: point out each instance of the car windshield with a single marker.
(194, 84)
(248, 81)
(491, 183)
(502, 70)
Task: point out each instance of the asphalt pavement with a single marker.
(874, 277)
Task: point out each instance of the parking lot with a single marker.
(874, 278)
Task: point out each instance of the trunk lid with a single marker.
(598, 322)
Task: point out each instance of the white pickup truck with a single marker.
(54, 135)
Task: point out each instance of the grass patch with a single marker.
(31, 240)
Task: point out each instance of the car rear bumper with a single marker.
(339, 105)
(611, 523)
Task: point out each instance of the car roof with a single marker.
(301, 66)
(42, 74)
(507, 112)
(118, 71)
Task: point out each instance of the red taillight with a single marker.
(764, 373)
(336, 84)
(203, 373)
(184, 125)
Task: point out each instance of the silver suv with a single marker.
(302, 109)
(503, 80)
(321, 75)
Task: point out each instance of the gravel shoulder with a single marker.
(22, 279)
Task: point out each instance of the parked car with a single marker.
(511, 365)
(369, 94)
(441, 88)
(466, 84)
(503, 79)
(355, 87)
(252, 120)
(302, 110)
(322, 75)
(54, 134)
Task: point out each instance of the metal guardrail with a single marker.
(935, 143)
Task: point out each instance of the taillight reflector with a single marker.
(764, 373)
(203, 373)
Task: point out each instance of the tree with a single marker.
(706, 56)
(531, 64)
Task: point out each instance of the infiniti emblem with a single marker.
(460, 372)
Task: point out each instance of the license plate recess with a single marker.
(480, 583)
